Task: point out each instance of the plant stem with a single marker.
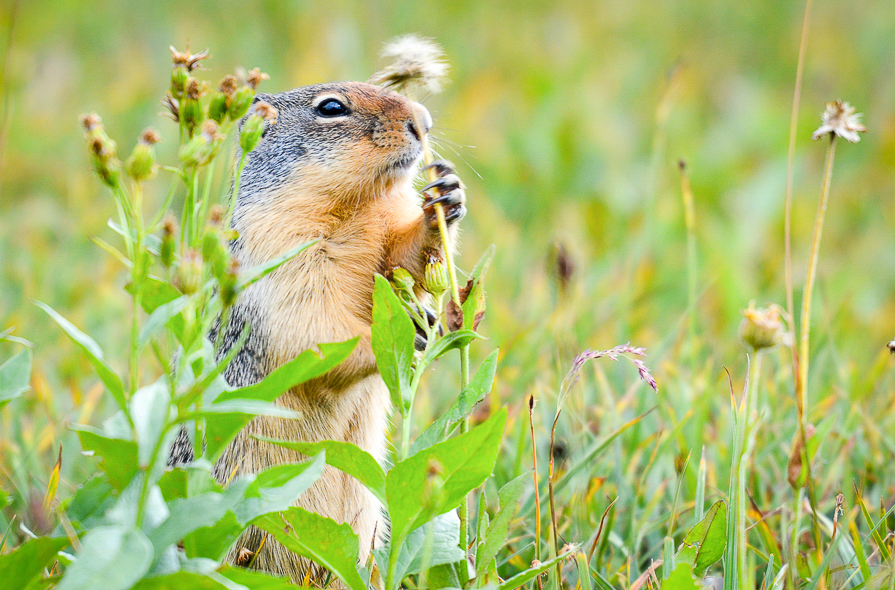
(242, 163)
(534, 460)
(690, 222)
(787, 223)
(550, 474)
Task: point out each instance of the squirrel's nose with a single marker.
(421, 123)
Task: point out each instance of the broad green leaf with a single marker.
(258, 272)
(705, 543)
(160, 317)
(119, 456)
(156, 292)
(255, 580)
(90, 501)
(493, 539)
(435, 543)
(464, 463)
(479, 386)
(180, 581)
(150, 407)
(223, 420)
(20, 567)
(249, 497)
(448, 342)
(680, 579)
(531, 573)
(94, 355)
(15, 376)
(393, 336)
(345, 457)
(304, 367)
(111, 558)
(332, 545)
(443, 577)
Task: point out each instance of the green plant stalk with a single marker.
(802, 398)
(463, 509)
(787, 223)
(699, 506)
(232, 205)
(534, 460)
(138, 287)
(550, 475)
(690, 222)
(794, 539)
(731, 578)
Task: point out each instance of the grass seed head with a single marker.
(840, 118)
(418, 66)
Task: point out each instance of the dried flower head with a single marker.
(186, 59)
(150, 136)
(265, 110)
(194, 90)
(840, 119)
(228, 85)
(173, 107)
(255, 77)
(418, 66)
(763, 327)
(90, 121)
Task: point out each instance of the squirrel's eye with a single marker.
(331, 107)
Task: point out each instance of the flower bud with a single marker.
(214, 251)
(179, 78)
(436, 277)
(240, 102)
(188, 277)
(190, 108)
(402, 279)
(228, 282)
(255, 77)
(251, 132)
(202, 148)
(141, 163)
(762, 328)
(102, 150)
(217, 108)
(169, 241)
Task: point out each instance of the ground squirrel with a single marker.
(337, 165)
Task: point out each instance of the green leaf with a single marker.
(150, 407)
(464, 462)
(94, 355)
(345, 457)
(531, 573)
(680, 579)
(478, 387)
(111, 558)
(705, 543)
(119, 456)
(20, 567)
(181, 580)
(493, 539)
(224, 419)
(160, 317)
(393, 336)
(247, 498)
(435, 543)
(258, 272)
(306, 366)
(90, 501)
(154, 293)
(15, 376)
(256, 580)
(332, 545)
(450, 341)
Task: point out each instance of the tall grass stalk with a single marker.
(690, 223)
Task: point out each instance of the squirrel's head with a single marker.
(341, 137)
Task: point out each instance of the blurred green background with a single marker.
(567, 120)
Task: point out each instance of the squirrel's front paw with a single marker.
(447, 190)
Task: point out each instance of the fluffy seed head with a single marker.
(840, 118)
(418, 66)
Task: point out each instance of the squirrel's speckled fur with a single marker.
(347, 181)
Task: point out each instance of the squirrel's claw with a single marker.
(449, 192)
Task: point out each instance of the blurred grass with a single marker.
(579, 112)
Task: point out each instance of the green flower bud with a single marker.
(228, 282)
(762, 328)
(191, 113)
(102, 150)
(402, 279)
(250, 134)
(436, 277)
(217, 108)
(240, 102)
(202, 148)
(169, 241)
(179, 77)
(214, 251)
(141, 163)
(188, 277)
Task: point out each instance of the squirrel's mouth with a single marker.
(405, 164)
